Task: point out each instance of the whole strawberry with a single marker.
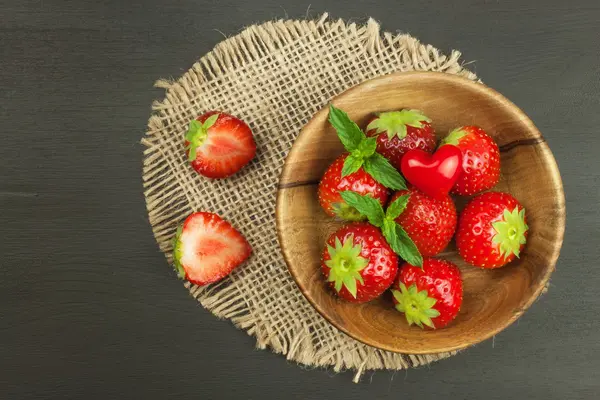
(218, 144)
(429, 296)
(400, 131)
(492, 230)
(358, 263)
(393, 233)
(480, 160)
(207, 248)
(360, 182)
(429, 221)
(362, 170)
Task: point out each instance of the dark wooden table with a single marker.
(88, 306)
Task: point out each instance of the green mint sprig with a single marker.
(363, 152)
(395, 235)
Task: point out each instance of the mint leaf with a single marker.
(366, 205)
(383, 172)
(397, 207)
(367, 147)
(349, 133)
(389, 232)
(351, 165)
(401, 243)
(406, 248)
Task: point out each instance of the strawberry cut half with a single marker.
(219, 145)
(207, 248)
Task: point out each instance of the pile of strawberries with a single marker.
(361, 260)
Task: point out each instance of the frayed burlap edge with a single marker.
(168, 202)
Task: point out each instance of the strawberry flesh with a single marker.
(208, 248)
(227, 148)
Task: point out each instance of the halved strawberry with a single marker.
(219, 145)
(207, 248)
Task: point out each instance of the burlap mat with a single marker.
(274, 76)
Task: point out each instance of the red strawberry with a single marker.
(360, 182)
(492, 230)
(430, 222)
(358, 263)
(400, 131)
(219, 145)
(207, 248)
(480, 160)
(431, 295)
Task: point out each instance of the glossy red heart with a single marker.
(433, 174)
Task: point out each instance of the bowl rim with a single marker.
(555, 179)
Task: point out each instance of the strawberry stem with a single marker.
(394, 123)
(416, 306)
(454, 137)
(197, 134)
(345, 265)
(510, 232)
(178, 253)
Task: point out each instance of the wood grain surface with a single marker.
(89, 309)
(493, 299)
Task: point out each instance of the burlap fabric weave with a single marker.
(274, 76)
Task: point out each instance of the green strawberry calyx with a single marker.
(346, 212)
(394, 234)
(197, 133)
(454, 136)
(416, 305)
(178, 253)
(363, 152)
(510, 232)
(345, 264)
(394, 123)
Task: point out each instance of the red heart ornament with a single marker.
(433, 174)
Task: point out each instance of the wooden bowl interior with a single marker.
(492, 298)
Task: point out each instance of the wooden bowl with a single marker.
(493, 299)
